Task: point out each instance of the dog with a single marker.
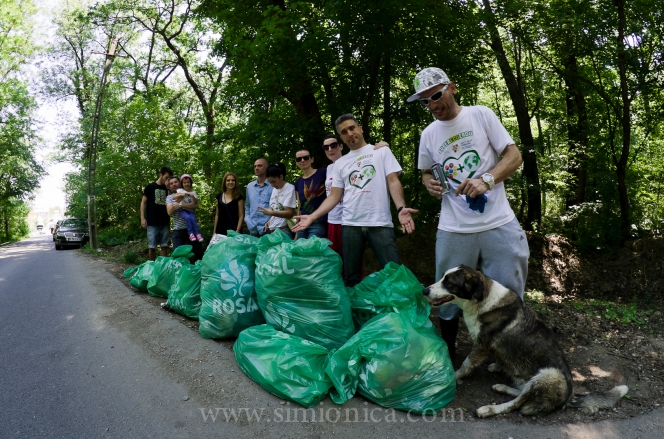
(503, 327)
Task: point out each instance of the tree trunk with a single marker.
(387, 109)
(307, 110)
(530, 169)
(371, 91)
(577, 132)
(621, 165)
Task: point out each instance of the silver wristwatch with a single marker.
(488, 179)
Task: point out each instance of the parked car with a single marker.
(71, 232)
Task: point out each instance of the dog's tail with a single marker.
(592, 402)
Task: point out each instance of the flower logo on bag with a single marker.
(278, 320)
(236, 278)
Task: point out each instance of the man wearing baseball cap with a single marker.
(477, 226)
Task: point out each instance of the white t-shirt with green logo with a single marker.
(467, 146)
(362, 174)
(280, 198)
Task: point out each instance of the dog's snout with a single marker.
(426, 291)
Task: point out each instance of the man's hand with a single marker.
(144, 223)
(381, 144)
(178, 197)
(433, 186)
(303, 221)
(473, 187)
(406, 219)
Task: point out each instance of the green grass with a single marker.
(617, 312)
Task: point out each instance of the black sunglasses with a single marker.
(333, 145)
(304, 158)
(434, 97)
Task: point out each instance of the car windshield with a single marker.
(75, 223)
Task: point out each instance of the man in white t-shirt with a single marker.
(366, 178)
(477, 226)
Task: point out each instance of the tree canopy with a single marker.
(19, 169)
(208, 86)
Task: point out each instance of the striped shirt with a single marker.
(178, 222)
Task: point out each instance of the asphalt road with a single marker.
(83, 356)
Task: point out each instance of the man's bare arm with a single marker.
(396, 192)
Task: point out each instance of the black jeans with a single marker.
(181, 237)
(355, 238)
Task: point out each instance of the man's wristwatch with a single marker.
(488, 179)
(400, 209)
(180, 204)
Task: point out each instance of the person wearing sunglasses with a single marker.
(310, 190)
(365, 178)
(476, 219)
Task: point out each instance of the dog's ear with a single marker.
(478, 288)
(474, 283)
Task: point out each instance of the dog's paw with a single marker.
(493, 367)
(459, 375)
(485, 412)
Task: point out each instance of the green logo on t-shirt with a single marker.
(460, 168)
(360, 178)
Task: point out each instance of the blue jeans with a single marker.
(316, 229)
(380, 239)
(158, 236)
(502, 254)
(190, 219)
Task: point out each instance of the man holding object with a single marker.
(477, 226)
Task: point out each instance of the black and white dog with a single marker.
(503, 327)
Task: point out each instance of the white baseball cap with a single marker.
(427, 78)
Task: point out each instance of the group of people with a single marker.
(349, 201)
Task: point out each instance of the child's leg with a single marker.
(192, 226)
(190, 220)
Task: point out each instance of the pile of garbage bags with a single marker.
(301, 334)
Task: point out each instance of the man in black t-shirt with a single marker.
(154, 216)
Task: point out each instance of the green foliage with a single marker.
(116, 235)
(19, 169)
(622, 313)
(131, 257)
(13, 220)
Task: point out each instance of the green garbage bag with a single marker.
(129, 272)
(184, 297)
(394, 364)
(228, 295)
(393, 289)
(300, 289)
(287, 366)
(142, 276)
(165, 267)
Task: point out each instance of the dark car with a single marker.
(72, 232)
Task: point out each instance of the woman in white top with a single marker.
(282, 200)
